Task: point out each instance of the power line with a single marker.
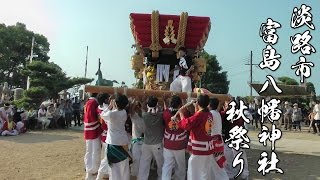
(234, 74)
(267, 72)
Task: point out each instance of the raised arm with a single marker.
(143, 102)
(39, 114)
(105, 114)
(186, 123)
(165, 101)
(131, 106)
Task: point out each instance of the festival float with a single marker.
(157, 39)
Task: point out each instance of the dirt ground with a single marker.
(58, 155)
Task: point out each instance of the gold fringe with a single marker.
(182, 30)
(155, 45)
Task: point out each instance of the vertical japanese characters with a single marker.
(238, 140)
(301, 42)
(269, 109)
(271, 60)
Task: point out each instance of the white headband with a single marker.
(152, 109)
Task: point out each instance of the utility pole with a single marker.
(251, 64)
(31, 56)
(85, 71)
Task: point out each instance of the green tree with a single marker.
(32, 98)
(47, 80)
(287, 81)
(51, 77)
(214, 80)
(312, 90)
(310, 87)
(138, 84)
(15, 48)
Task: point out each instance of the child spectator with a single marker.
(296, 117)
(76, 112)
(42, 117)
(17, 119)
(50, 114)
(68, 112)
(9, 127)
(312, 122)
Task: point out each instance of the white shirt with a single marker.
(316, 110)
(217, 123)
(42, 113)
(49, 114)
(183, 63)
(248, 116)
(4, 113)
(116, 120)
(104, 107)
(137, 126)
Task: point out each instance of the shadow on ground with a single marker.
(294, 166)
(39, 137)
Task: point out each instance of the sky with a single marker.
(104, 26)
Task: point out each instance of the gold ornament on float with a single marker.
(201, 65)
(195, 76)
(137, 62)
(140, 75)
(151, 78)
(169, 34)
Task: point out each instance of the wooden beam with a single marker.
(142, 92)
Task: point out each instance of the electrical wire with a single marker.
(234, 74)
